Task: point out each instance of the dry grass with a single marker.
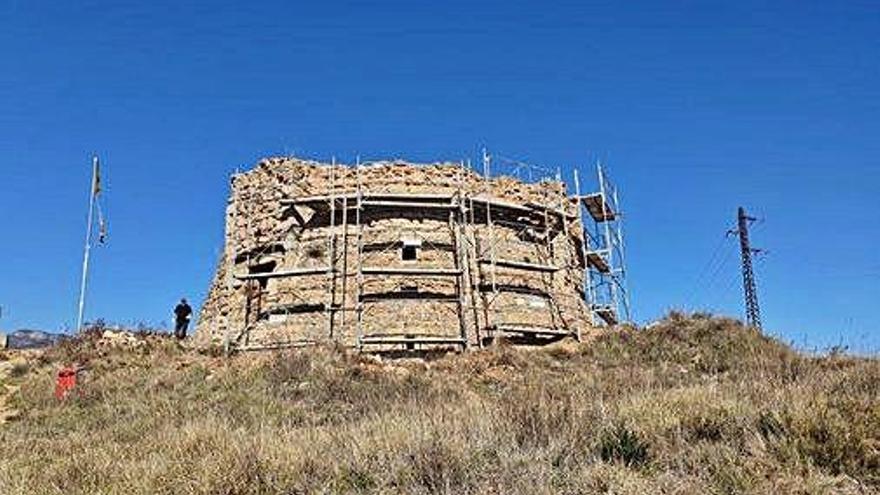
(694, 405)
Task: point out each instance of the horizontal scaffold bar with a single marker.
(292, 309)
(380, 340)
(407, 196)
(534, 330)
(367, 196)
(407, 296)
(525, 207)
(402, 200)
(320, 198)
(410, 271)
(515, 289)
(293, 272)
(407, 204)
(274, 345)
(521, 265)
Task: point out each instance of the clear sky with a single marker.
(697, 107)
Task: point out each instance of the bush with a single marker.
(621, 444)
(18, 370)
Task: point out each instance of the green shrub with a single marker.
(18, 370)
(621, 444)
(770, 426)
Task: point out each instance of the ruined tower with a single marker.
(395, 255)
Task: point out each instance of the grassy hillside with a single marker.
(692, 405)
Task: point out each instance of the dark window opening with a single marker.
(409, 253)
(266, 267)
(315, 252)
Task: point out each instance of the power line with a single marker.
(730, 284)
(712, 268)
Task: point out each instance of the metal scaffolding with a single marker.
(260, 263)
(542, 224)
(603, 251)
(484, 285)
(372, 202)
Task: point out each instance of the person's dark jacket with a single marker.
(182, 311)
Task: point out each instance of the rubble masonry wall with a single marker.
(265, 234)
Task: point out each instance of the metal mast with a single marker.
(94, 188)
(750, 289)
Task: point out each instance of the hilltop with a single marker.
(692, 405)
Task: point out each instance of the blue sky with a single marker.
(697, 107)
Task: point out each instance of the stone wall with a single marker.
(289, 272)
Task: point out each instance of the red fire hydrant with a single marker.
(65, 381)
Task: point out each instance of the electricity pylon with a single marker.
(750, 288)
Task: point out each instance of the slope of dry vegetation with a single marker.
(693, 405)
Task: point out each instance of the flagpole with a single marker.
(88, 246)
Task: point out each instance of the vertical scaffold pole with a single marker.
(476, 252)
(343, 307)
(549, 260)
(609, 243)
(331, 250)
(229, 256)
(465, 211)
(585, 239)
(563, 231)
(360, 254)
(487, 171)
(622, 256)
(455, 219)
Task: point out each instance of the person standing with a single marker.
(182, 313)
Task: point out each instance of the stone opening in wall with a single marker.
(315, 251)
(409, 288)
(274, 248)
(410, 249)
(409, 253)
(255, 291)
(264, 267)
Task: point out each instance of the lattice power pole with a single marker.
(750, 289)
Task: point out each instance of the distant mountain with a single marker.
(32, 339)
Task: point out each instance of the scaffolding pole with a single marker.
(621, 279)
(563, 205)
(360, 254)
(487, 171)
(331, 250)
(607, 233)
(587, 283)
(456, 217)
(344, 308)
(549, 260)
(603, 251)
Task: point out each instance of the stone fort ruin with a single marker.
(394, 255)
